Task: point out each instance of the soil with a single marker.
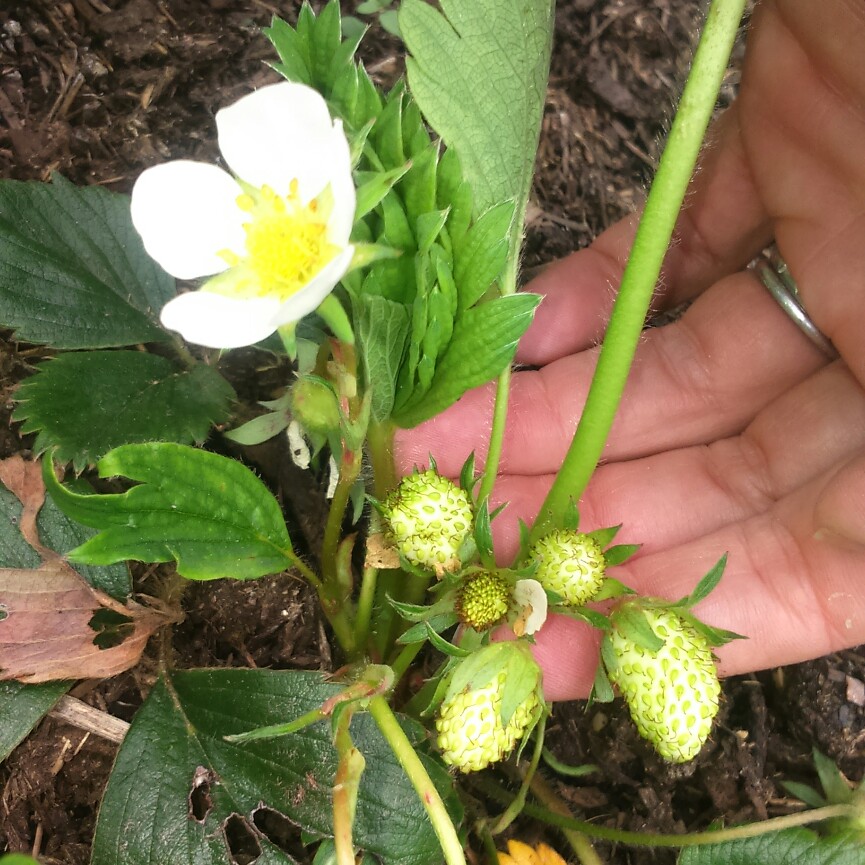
(100, 89)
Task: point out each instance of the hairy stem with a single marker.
(644, 265)
(420, 779)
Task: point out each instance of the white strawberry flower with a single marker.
(272, 235)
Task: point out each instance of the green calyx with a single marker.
(428, 519)
(571, 564)
(483, 600)
(671, 689)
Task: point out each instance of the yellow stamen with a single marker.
(286, 244)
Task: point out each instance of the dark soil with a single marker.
(100, 89)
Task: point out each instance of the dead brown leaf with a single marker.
(53, 624)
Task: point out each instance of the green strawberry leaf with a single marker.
(207, 512)
(779, 848)
(22, 707)
(482, 256)
(84, 404)
(17, 859)
(478, 71)
(181, 794)
(382, 327)
(73, 270)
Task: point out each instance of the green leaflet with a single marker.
(207, 512)
(780, 848)
(177, 781)
(73, 270)
(478, 70)
(382, 328)
(84, 404)
(21, 709)
(484, 341)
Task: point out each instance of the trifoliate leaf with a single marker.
(73, 270)
(478, 71)
(207, 512)
(84, 404)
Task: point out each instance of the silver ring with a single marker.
(774, 274)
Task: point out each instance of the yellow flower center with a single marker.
(286, 244)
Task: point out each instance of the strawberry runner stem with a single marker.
(420, 779)
(644, 264)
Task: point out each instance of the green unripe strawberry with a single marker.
(483, 600)
(428, 519)
(672, 693)
(571, 564)
(471, 734)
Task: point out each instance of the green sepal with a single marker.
(602, 690)
(611, 588)
(713, 636)
(604, 537)
(631, 622)
(620, 553)
(483, 536)
(706, 585)
(571, 517)
(807, 794)
(428, 226)
(468, 480)
(587, 615)
(259, 429)
(443, 645)
(417, 633)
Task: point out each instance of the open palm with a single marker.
(735, 434)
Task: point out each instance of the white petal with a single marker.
(218, 321)
(342, 186)
(530, 595)
(314, 292)
(186, 212)
(279, 133)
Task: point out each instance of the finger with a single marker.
(674, 497)
(700, 378)
(792, 585)
(721, 229)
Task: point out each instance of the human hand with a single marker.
(735, 435)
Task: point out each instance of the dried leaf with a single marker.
(53, 625)
(380, 553)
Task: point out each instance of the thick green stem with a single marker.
(420, 779)
(644, 265)
(379, 442)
